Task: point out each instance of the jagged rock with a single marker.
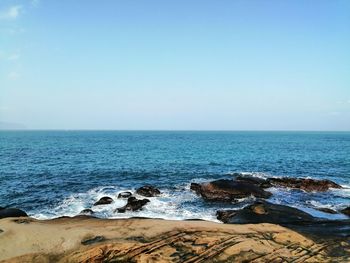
(148, 191)
(104, 201)
(265, 212)
(12, 212)
(133, 204)
(87, 212)
(228, 190)
(346, 211)
(305, 184)
(124, 194)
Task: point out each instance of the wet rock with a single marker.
(124, 194)
(326, 210)
(261, 182)
(87, 212)
(265, 212)
(12, 212)
(225, 215)
(228, 190)
(346, 211)
(133, 204)
(104, 201)
(196, 187)
(148, 191)
(305, 184)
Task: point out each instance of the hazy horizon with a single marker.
(21, 128)
(184, 65)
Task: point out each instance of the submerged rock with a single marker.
(133, 204)
(228, 190)
(12, 212)
(305, 184)
(346, 211)
(104, 201)
(148, 191)
(126, 194)
(326, 210)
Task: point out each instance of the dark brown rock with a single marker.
(87, 212)
(261, 182)
(264, 212)
(133, 204)
(228, 190)
(124, 194)
(346, 211)
(225, 215)
(148, 191)
(305, 184)
(196, 187)
(104, 201)
(12, 212)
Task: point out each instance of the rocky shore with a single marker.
(259, 232)
(88, 239)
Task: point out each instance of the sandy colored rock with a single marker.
(84, 239)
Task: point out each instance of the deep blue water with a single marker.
(55, 173)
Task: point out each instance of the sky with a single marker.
(175, 65)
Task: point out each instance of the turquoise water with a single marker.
(55, 173)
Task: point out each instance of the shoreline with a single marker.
(89, 239)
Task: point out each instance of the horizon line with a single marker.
(180, 130)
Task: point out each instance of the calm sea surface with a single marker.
(56, 173)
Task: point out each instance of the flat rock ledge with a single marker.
(86, 239)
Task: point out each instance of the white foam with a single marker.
(169, 205)
(253, 174)
(180, 203)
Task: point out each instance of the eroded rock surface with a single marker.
(136, 240)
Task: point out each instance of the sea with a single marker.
(51, 174)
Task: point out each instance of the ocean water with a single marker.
(59, 173)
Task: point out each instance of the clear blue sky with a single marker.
(213, 65)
